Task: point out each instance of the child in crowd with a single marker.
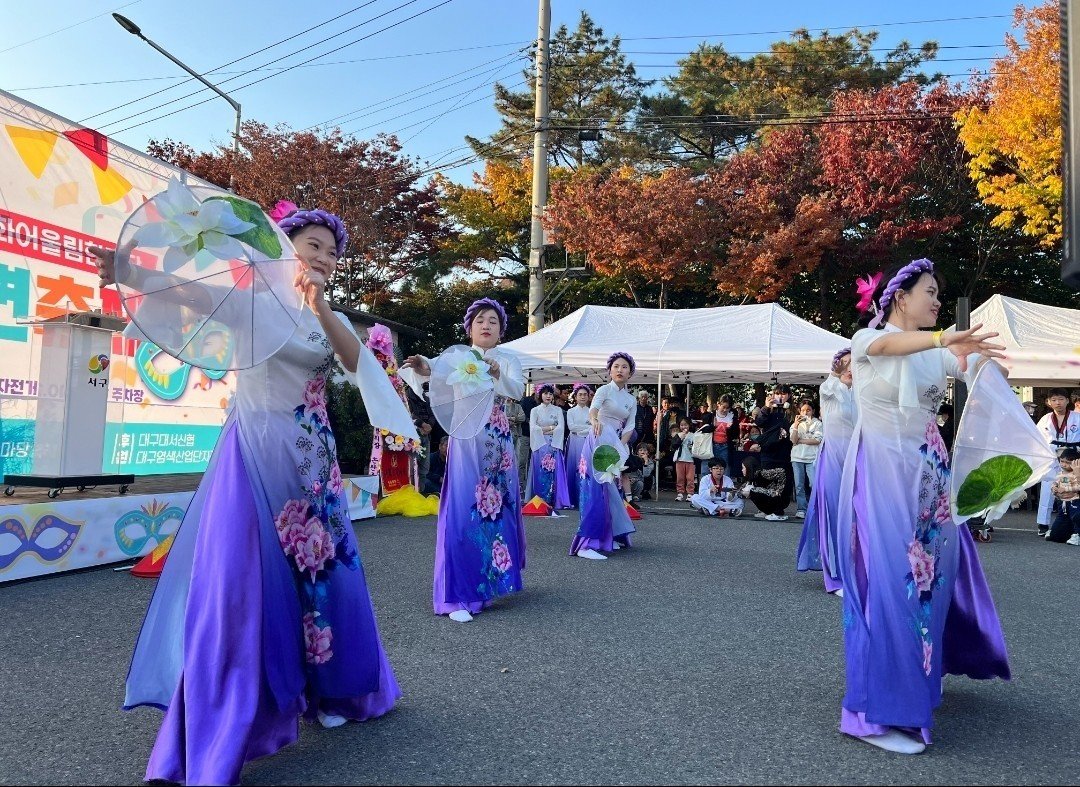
(1066, 488)
(681, 447)
(647, 453)
(717, 495)
(752, 443)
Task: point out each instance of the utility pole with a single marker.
(540, 172)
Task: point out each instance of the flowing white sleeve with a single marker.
(414, 379)
(631, 418)
(603, 393)
(384, 407)
(511, 382)
(558, 437)
(894, 369)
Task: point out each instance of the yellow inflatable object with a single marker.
(408, 502)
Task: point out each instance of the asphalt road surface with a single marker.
(698, 656)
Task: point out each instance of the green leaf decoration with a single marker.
(604, 457)
(261, 237)
(989, 483)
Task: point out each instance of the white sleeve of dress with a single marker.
(536, 432)
(414, 379)
(558, 437)
(383, 404)
(631, 418)
(603, 393)
(511, 382)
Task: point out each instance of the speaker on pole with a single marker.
(1070, 116)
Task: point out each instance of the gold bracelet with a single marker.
(936, 336)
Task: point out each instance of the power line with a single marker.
(271, 76)
(69, 27)
(174, 77)
(239, 59)
(819, 29)
(345, 116)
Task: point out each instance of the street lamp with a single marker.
(135, 30)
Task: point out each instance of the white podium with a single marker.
(73, 392)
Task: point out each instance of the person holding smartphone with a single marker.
(774, 420)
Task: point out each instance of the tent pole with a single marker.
(656, 467)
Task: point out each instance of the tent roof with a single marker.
(753, 343)
(1042, 342)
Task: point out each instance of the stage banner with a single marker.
(63, 535)
(63, 188)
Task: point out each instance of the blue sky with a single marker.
(390, 83)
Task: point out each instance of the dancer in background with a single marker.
(916, 603)
(605, 524)
(547, 467)
(262, 612)
(817, 545)
(577, 424)
(480, 536)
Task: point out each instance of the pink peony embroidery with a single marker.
(500, 556)
(548, 462)
(943, 512)
(498, 421)
(922, 566)
(290, 522)
(313, 547)
(927, 657)
(506, 462)
(582, 466)
(317, 640)
(489, 499)
(934, 444)
(315, 397)
(335, 482)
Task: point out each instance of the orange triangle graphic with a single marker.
(34, 146)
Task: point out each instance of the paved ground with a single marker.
(699, 656)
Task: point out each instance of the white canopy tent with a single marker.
(726, 344)
(1042, 342)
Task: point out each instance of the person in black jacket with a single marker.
(645, 421)
(774, 420)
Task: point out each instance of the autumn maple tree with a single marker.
(1015, 141)
(396, 225)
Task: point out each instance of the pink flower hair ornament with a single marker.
(866, 289)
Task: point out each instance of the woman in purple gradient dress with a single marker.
(547, 470)
(262, 612)
(480, 536)
(605, 524)
(817, 545)
(916, 603)
(578, 426)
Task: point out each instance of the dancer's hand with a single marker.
(596, 428)
(313, 284)
(106, 264)
(493, 368)
(418, 365)
(964, 343)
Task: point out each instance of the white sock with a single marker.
(460, 616)
(330, 721)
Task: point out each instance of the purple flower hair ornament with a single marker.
(839, 357)
(481, 305)
(624, 356)
(542, 387)
(582, 387)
